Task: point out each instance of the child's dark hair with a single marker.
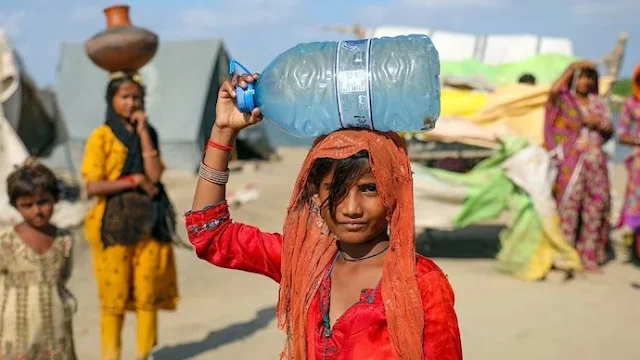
(346, 172)
(30, 178)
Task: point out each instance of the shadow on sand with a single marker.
(218, 338)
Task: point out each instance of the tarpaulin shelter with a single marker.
(514, 186)
(30, 125)
(182, 82)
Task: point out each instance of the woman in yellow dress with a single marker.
(132, 224)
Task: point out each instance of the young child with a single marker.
(351, 284)
(35, 264)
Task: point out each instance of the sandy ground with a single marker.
(227, 314)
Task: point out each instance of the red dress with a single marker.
(361, 332)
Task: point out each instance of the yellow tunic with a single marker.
(130, 277)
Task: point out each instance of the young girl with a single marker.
(351, 284)
(577, 124)
(35, 264)
(130, 227)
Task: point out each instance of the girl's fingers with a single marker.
(256, 116)
(228, 88)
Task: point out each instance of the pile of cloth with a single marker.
(480, 101)
(516, 181)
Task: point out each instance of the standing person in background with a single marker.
(577, 123)
(527, 79)
(36, 259)
(131, 227)
(629, 134)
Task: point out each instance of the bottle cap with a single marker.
(244, 97)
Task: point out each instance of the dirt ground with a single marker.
(226, 314)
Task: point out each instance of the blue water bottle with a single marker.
(385, 84)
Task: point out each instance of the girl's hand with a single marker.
(592, 120)
(149, 188)
(583, 144)
(588, 64)
(228, 116)
(138, 179)
(139, 118)
(583, 65)
(142, 181)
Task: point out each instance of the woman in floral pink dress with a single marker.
(577, 123)
(629, 134)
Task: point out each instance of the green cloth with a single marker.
(488, 188)
(520, 240)
(545, 67)
(489, 194)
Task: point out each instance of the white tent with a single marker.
(13, 152)
(489, 49)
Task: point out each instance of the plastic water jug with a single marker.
(385, 84)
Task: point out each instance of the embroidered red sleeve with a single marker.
(222, 242)
(441, 332)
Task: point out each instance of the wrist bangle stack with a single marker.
(212, 175)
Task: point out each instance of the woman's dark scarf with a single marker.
(132, 215)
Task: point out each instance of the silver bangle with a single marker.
(212, 175)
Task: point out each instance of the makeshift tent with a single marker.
(488, 49)
(545, 67)
(33, 113)
(12, 153)
(516, 181)
(512, 110)
(182, 83)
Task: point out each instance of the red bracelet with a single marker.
(129, 179)
(218, 146)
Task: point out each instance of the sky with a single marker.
(255, 31)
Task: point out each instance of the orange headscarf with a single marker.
(307, 251)
(635, 79)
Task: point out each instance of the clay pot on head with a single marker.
(122, 46)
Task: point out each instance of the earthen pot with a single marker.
(121, 46)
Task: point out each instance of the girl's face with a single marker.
(585, 83)
(36, 209)
(127, 100)
(361, 216)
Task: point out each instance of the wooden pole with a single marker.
(356, 30)
(613, 60)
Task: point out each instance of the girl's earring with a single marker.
(319, 220)
(325, 228)
(314, 208)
